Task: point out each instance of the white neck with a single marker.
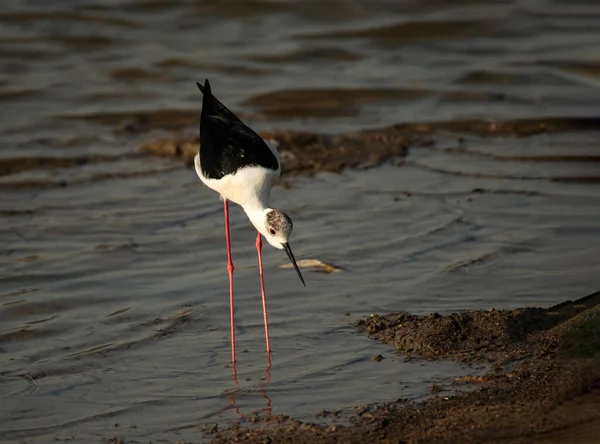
(257, 215)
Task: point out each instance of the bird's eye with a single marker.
(272, 231)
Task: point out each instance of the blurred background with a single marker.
(113, 287)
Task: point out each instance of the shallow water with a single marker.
(113, 288)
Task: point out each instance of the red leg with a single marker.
(230, 270)
(262, 289)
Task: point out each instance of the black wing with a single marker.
(226, 143)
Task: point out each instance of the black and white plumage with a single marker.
(227, 143)
(237, 163)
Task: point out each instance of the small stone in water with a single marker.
(315, 264)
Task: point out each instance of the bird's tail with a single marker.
(211, 106)
(201, 88)
(208, 100)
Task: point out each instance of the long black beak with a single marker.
(288, 250)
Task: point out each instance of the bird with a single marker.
(237, 163)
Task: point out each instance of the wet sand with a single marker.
(543, 386)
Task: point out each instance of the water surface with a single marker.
(113, 287)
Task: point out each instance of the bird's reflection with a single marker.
(267, 380)
(264, 393)
(234, 392)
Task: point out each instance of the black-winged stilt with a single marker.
(238, 164)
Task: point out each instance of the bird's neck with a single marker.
(257, 215)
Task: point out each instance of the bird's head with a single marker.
(278, 229)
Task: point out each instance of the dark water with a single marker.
(113, 288)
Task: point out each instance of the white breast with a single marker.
(249, 187)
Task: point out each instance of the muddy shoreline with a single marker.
(543, 384)
(308, 153)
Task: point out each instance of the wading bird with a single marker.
(238, 164)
